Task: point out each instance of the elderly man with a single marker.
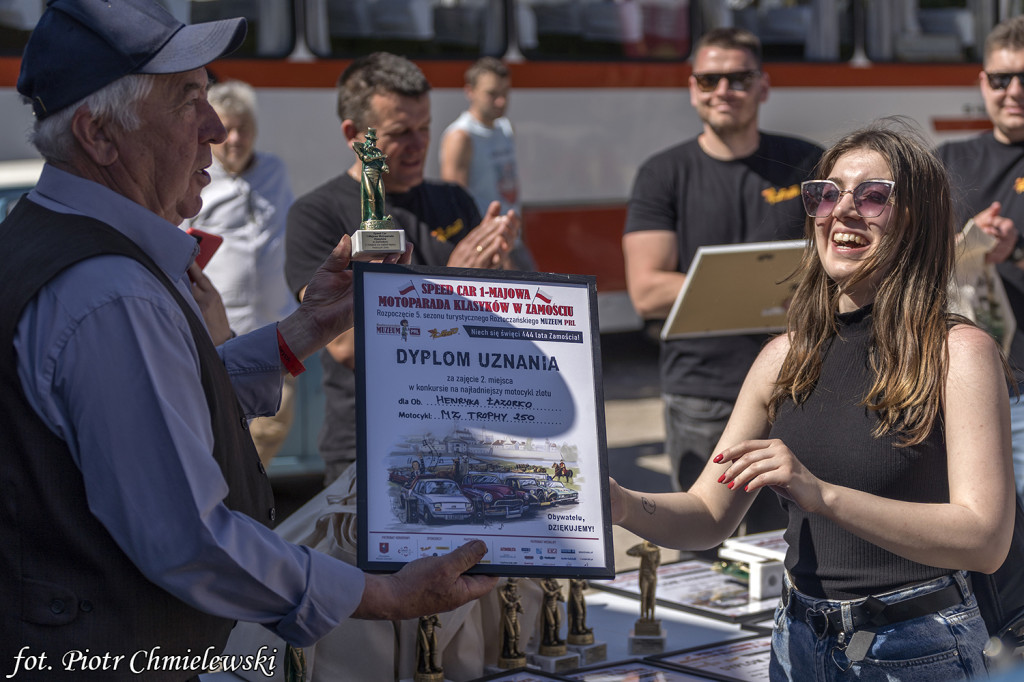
(133, 504)
(390, 94)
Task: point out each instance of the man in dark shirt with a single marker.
(391, 95)
(987, 172)
(730, 184)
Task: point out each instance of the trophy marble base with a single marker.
(555, 663)
(426, 677)
(595, 652)
(510, 663)
(369, 243)
(646, 638)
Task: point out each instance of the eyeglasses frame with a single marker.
(1019, 75)
(744, 78)
(888, 202)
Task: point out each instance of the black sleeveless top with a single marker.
(831, 435)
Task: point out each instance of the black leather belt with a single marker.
(872, 612)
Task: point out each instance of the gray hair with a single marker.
(115, 103)
(233, 97)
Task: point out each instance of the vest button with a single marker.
(57, 606)
(273, 514)
(260, 465)
(85, 605)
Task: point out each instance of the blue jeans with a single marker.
(947, 645)
(1017, 434)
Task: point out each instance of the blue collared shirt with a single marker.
(106, 359)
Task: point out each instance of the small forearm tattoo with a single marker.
(649, 505)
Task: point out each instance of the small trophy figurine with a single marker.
(579, 633)
(511, 655)
(551, 643)
(377, 234)
(648, 636)
(426, 651)
(553, 656)
(581, 638)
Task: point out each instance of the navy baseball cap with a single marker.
(79, 46)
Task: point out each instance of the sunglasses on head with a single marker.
(869, 197)
(737, 80)
(1001, 81)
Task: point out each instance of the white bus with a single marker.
(598, 85)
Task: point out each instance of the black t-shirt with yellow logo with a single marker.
(982, 170)
(706, 201)
(434, 215)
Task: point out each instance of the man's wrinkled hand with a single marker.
(327, 307)
(425, 586)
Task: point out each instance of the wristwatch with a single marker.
(1017, 255)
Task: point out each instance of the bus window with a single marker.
(790, 30)
(17, 17)
(270, 31)
(271, 28)
(928, 30)
(417, 29)
(603, 29)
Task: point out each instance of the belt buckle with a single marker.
(817, 619)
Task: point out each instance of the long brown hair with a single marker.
(910, 321)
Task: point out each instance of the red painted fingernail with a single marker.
(721, 479)
(746, 488)
(731, 484)
(718, 458)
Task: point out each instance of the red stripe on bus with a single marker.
(581, 240)
(940, 125)
(271, 73)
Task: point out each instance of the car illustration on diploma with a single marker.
(563, 495)
(527, 488)
(492, 497)
(436, 499)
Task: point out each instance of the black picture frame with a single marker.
(736, 660)
(469, 383)
(638, 670)
(692, 586)
(520, 675)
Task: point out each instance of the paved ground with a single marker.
(635, 426)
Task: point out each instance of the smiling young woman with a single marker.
(880, 421)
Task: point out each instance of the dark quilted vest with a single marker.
(64, 583)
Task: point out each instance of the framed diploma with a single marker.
(693, 587)
(738, 660)
(480, 415)
(715, 301)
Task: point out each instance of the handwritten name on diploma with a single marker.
(262, 661)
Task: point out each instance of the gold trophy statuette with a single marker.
(377, 234)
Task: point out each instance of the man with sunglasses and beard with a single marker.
(988, 170)
(730, 184)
